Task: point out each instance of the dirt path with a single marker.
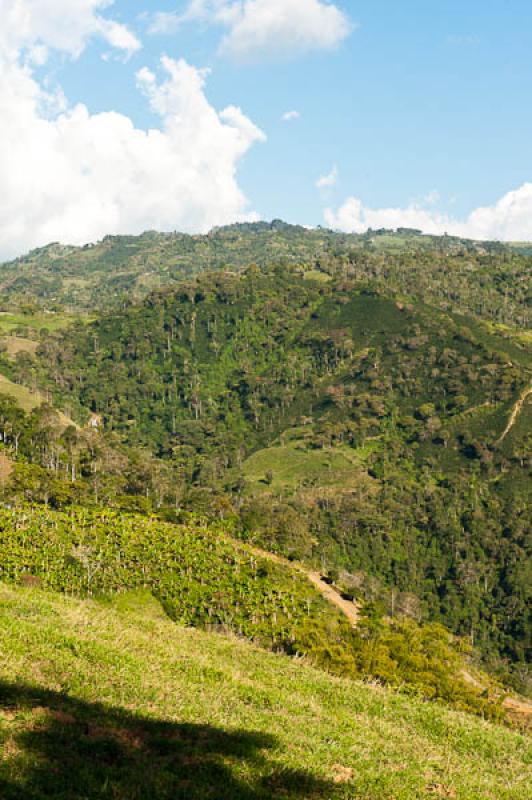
(6, 467)
(349, 608)
(515, 413)
(520, 707)
(517, 708)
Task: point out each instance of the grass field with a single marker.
(6, 467)
(293, 464)
(115, 701)
(17, 344)
(26, 400)
(50, 322)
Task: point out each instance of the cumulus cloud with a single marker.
(265, 28)
(64, 25)
(290, 116)
(509, 219)
(329, 180)
(70, 176)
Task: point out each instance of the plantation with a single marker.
(336, 422)
(265, 488)
(199, 576)
(203, 578)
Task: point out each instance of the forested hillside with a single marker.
(334, 421)
(361, 404)
(486, 278)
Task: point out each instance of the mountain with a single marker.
(356, 410)
(486, 278)
(110, 699)
(335, 421)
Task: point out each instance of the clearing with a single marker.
(29, 400)
(17, 344)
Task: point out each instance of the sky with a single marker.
(119, 117)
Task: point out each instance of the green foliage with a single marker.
(340, 423)
(489, 279)
(313, 399)
(199, 576)
(202, 578)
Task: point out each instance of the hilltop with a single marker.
(116, 701)
(486, 278)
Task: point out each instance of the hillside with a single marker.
(330, 412)
(116, 701)
(485, 278)
(338, 423)
(197, 572)
(204, 578)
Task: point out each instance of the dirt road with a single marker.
(349, 608)
(515, 414)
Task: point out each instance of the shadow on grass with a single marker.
(57, 747)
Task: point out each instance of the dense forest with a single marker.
(360, 404)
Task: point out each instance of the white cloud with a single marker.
(265, 28)
(166, 22)
(432, 198)
(329, 180)
(290, 116)
(284, 28)
(70, 176)
(510, 218)
(64, 25)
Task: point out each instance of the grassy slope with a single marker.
(26, 399)
(293, 463)
(107, 702)
(17, 344)
(6, 466)
(36, 322)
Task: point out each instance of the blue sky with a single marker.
(423, 108)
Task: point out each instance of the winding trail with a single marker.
(516, 707)
(515, 414)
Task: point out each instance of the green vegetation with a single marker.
(291, 465)
(24, 398)
(488, 279)
(204, 578)
(32, 322)
(328, 421)
(13, 345)
(117, 702)
(357, 404)
(199, 576)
